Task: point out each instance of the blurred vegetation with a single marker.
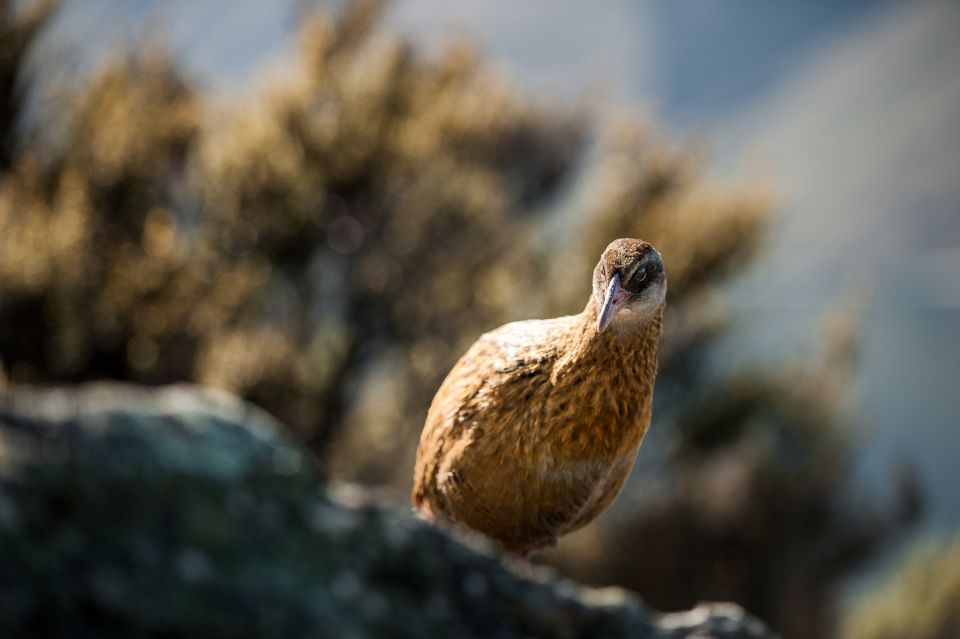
(921, 600)
(328, 246)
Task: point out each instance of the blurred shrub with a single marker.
(328, 247)
(921, 600)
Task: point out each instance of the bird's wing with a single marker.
(498, 363)
(467, 460)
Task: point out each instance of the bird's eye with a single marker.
(635, 283)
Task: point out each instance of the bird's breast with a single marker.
(597, 427)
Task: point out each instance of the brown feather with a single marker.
(535, 429)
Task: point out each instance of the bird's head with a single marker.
(629, 285)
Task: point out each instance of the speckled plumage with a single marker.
(534, 431)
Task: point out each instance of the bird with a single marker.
(535, 429)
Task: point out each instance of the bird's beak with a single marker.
(615, 299)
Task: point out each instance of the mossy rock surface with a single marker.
(127, 512)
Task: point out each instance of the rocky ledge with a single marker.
(180, 512)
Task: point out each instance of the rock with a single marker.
(183, 512)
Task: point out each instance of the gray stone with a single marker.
(181, 512)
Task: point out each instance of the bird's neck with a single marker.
(613, 356)
(627, 341)
(613, 375)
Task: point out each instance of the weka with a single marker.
(534, 431)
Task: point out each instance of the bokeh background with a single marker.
(318, 206)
